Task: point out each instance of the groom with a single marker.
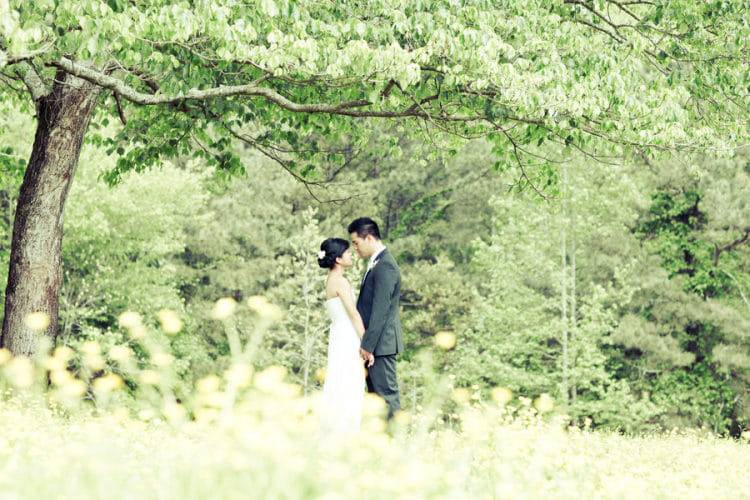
(378, 305)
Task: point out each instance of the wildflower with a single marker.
(170, 322)
(208, 384)
(120, 353)
(461, 395)
(37, 321)
(73, 389)
(129, 320)
(445, 340)
(239, 375)
(174, 411)
(374, 405)
(269, 379)
(64, 353)
(20, 372)
(162, 359)
(544, 403)
(92, 358)
(108, 383)
(502, 395)
(137, 332)
(263, 308)
(224, 308)
(61, 377)
(149, 377)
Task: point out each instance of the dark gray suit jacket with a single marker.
(378, 304)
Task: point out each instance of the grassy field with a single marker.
(272, 450)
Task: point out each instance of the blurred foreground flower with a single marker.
(445, 340)
(92, 357)
(20, 372)
(120, 353)
(37, 321)
(149, 377)
(223, 308)
(108, 383)
(461, 395)
(544, 403)
(374, 405)
(129, 319)
(239, 375)
(502, 395)
(263, 308)
(270, 379)
(170, 322)
(208, 384)
(162, 359)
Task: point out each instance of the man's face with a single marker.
(363, 246)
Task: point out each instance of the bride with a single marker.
(344, 387)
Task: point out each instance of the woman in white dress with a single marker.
(344, 387)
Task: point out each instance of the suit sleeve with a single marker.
(384, 281)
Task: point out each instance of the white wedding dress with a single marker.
(344, 387)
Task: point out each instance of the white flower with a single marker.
(321, 254)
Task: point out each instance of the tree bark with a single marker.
(35, 272)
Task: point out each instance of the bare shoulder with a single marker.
(337, 284)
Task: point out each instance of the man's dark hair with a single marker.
(364, 226)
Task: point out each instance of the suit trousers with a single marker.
(381, 379)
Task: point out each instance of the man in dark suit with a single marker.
(378, 304)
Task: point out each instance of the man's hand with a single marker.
(368, 357)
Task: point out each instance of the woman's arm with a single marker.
(344, 291)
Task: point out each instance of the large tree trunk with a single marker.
(35, 273)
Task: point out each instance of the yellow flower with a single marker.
(108, 383)
(73, 389)
(61, 377)
(374, 405)
(91, 347)
(271, 378)
(544, 403)
(224, 308)
(54, 363)
(208, 384)
(120, 353)
(445, 340)
(37, 321)
(174, 411)
(64, 353)
(137, 332)
(162, 359)
(263, 308)
(239, 375)
(502, 395)
(5, 355)
(149, 377)
(20, 372)
(129, 319)
(170, 322)
(461, 395)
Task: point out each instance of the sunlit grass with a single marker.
(103, 423)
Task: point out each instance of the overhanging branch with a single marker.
(348, 108)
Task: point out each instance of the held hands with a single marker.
(368, 357)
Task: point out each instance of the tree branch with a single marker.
(344, 108)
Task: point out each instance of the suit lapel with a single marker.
(367, 273)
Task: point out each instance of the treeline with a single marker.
(620, 289)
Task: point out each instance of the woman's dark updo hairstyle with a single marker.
(333, 248)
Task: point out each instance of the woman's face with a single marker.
(346, 259)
